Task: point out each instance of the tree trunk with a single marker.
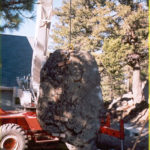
(137, 84)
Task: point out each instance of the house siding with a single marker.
(16, 59)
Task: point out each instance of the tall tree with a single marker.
(11, 12)
(135, 31)
(118, 31)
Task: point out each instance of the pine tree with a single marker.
(135, 32)
(131, 36)
(119, 32)
(11, 12)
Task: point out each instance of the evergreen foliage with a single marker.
(11, 12)
(114, 30)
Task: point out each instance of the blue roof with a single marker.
(16, 59)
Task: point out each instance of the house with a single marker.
(16, 59)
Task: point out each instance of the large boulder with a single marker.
(70, 101)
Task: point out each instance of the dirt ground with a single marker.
(47, 146)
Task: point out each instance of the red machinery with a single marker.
(19, 127)
(105, 128)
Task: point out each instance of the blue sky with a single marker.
(27, 28)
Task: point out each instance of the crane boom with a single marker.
(43, 23)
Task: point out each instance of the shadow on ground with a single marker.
(47, 146)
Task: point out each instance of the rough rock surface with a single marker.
(70, 101)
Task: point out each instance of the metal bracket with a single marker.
(106, 129)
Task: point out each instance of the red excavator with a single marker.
(20, 126)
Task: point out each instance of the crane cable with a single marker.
(70, 26)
